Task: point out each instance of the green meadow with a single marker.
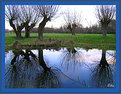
(79, 40)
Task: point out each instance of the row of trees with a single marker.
(94, 29)
(104, 13)
(28, 16)
(20, 17)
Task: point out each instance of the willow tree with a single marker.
(105, 13)
(29, 17)
(46, 13)
(13, 17)
(72, 21)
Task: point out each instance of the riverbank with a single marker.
(87, 41)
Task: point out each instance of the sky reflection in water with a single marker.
(60, 68)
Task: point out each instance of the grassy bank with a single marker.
(79, 40)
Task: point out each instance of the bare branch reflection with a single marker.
(102, 73)
(24, 69)
(73, 67)
(46, 78)
(71, 58)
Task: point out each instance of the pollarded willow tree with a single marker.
(29, 17)
(72, 21)
(46, 13)
(105, 13)
(13, 17)
(21, 17)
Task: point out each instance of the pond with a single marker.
(60, 68)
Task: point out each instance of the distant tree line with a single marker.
(95, 29)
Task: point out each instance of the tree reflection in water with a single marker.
(21, 70)
(24, 69)
(71, 58)
(102, 73)
(47, 78)
(29, 70)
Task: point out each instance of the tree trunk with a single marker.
(28, 29)
(18, 35)
(14, 28)
(72, 32)
(27, 34)
(41, 28)
(103, 61)
(41, 61)
(40, 33)
(104, 30)
(13, 60)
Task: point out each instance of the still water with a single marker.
(60, 68)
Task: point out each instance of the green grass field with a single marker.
(81, 40)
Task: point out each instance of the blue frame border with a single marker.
(60, 90)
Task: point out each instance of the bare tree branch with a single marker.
(29, 17)
(12, 15)
(105, 13)
(72, 20)
(46, 12)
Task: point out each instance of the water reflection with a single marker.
(41, 61)
(102, 73)
(21, 69)
(60, 68)
(47, 78)
(28, 71)
(71, 58)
